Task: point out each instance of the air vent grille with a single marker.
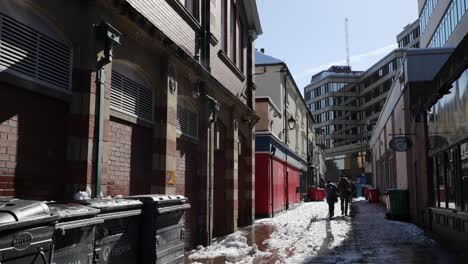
(187, 122)
(130, 97)
(30, 54)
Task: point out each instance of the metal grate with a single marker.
(187, 122)
(28, 53)
(130, 97)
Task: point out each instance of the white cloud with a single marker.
(355, 60)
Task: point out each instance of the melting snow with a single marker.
(300, 234)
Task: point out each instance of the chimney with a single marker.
(262, 50)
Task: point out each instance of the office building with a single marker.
(409, 37)
(443, 23)
(345, 105)
(326, 96)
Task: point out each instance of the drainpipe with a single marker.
(285, 117)
(250, 70)
(110, 37)
(308, 155)
(205, 34)
(272, 176)
(213, 107)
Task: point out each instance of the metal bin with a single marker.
(26, 230)
(74, 233)
(117, 239)
(163, 233)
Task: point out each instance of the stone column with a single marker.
(164, 133)
(232, 176)
(205, 173)
(81, 133)
(82, 130)
(249, 157)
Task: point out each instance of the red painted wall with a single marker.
(279, 193)
(293, 184)
(263, 185)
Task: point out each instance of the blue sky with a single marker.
(309, 35)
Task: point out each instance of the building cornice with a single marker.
(253, 18)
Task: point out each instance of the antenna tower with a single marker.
(347, 42)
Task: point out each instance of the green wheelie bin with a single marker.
(398, 204)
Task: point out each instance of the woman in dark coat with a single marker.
(344, 189)
(332, 197)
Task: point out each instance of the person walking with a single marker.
(344, 190)
(332, 197)
(352, 194)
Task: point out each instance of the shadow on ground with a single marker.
(373, 239)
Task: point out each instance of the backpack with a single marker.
(344, 185)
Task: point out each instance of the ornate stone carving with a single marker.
(171, 79)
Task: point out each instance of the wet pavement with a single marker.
(364, 237)
(373, 239)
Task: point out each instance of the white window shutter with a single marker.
(187, 122)
(29, 54)
(130, 97)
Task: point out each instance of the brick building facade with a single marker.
(158, 99)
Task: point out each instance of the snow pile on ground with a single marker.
(234, 248)
(297, 234)
(359, 199)
(305, 231)
(305, 234)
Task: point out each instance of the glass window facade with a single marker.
(426, 13)
(449, 22)
(325, 116)
(382, 72)
(448, 137)
(307, 95)
(326, 88)
(410, 37)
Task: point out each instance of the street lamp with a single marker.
(291, 123)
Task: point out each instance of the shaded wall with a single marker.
(32, 144)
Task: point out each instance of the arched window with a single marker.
(31, 50)
(130, 92)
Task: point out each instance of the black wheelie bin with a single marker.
(26, 230)
(117, 239)
(163, 228)
(74, 233)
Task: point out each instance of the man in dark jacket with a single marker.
(332, 197)
(344, 189)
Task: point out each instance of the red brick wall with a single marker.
(166, 19)
(188, 185)
(32, 144)
(129, 158)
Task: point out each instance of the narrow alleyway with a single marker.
(305, 235)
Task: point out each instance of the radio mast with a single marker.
(347, 42)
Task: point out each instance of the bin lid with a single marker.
(72, 211)
(160, 198)
(15, 213)
(110, 205)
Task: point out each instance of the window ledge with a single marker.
(213, 40)
(223, 56)
(187, 137)
(130, 118)
(185, 14)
